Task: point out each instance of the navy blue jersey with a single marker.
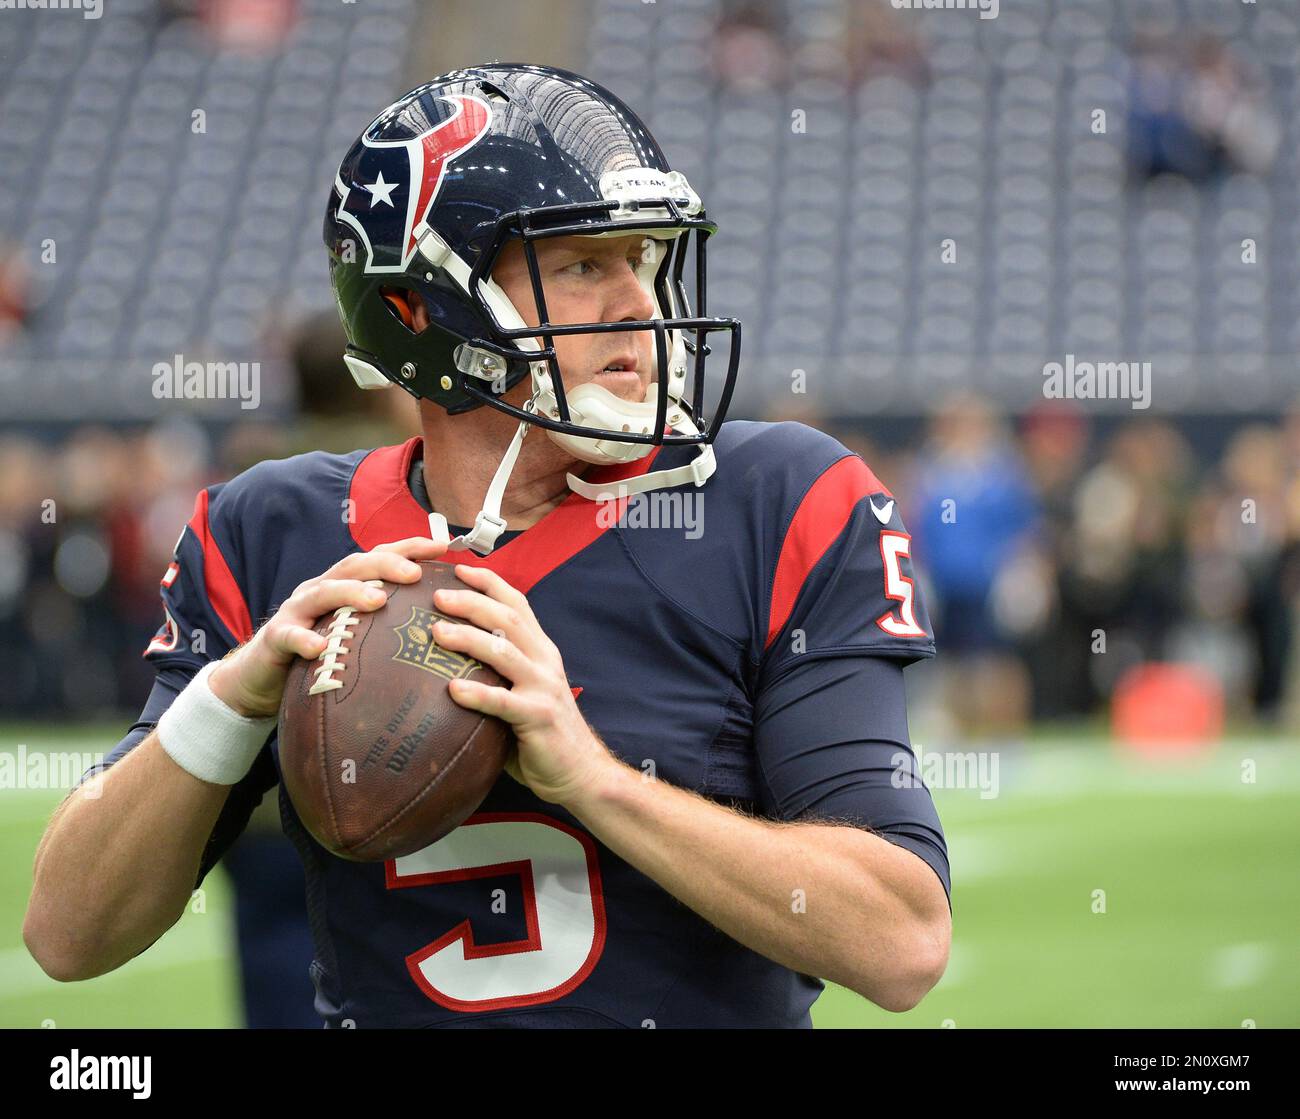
(745, 640)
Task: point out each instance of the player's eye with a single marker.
(589, 265)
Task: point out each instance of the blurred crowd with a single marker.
(1196, 108)
(1058, 555)
(763, 44)
(87, 525)
(1054, 554)
(89, 518)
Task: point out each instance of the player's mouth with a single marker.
(621, 376)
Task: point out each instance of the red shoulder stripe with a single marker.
(223, 592)
(817, 523)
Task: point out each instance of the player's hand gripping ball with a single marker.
(377, 757)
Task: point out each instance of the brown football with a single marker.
(377, 757)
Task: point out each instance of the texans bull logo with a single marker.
(391, 184)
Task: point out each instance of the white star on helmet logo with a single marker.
(380, 191)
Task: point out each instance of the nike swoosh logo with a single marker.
(883, 515)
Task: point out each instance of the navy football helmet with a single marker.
(436, 186)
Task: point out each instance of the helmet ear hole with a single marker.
(396, 301)
(399, 302)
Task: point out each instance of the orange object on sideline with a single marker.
(1167, 709)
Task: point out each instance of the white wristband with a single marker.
(209, 739)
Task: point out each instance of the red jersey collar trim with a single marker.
(384, 509)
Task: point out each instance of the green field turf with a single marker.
(1198, 867)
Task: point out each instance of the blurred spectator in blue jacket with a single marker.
(976, 518)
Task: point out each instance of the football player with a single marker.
(713, 803)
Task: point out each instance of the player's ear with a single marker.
(419, 313)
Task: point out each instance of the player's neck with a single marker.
(462, 453)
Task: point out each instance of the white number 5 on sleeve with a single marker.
(898, 587)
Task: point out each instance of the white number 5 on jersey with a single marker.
(564, 912)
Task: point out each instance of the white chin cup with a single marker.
(592, 405)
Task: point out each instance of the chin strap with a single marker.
(698, 470)
(489, 525)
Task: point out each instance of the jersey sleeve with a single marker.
(832, 744)
(843, 583)
(204, 611)
(204, 617)
(843, 617)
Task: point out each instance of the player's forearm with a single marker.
(114, 870)
(836, 902)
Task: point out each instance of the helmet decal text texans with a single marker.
(385, 210)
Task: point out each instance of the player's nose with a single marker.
(631, 302)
